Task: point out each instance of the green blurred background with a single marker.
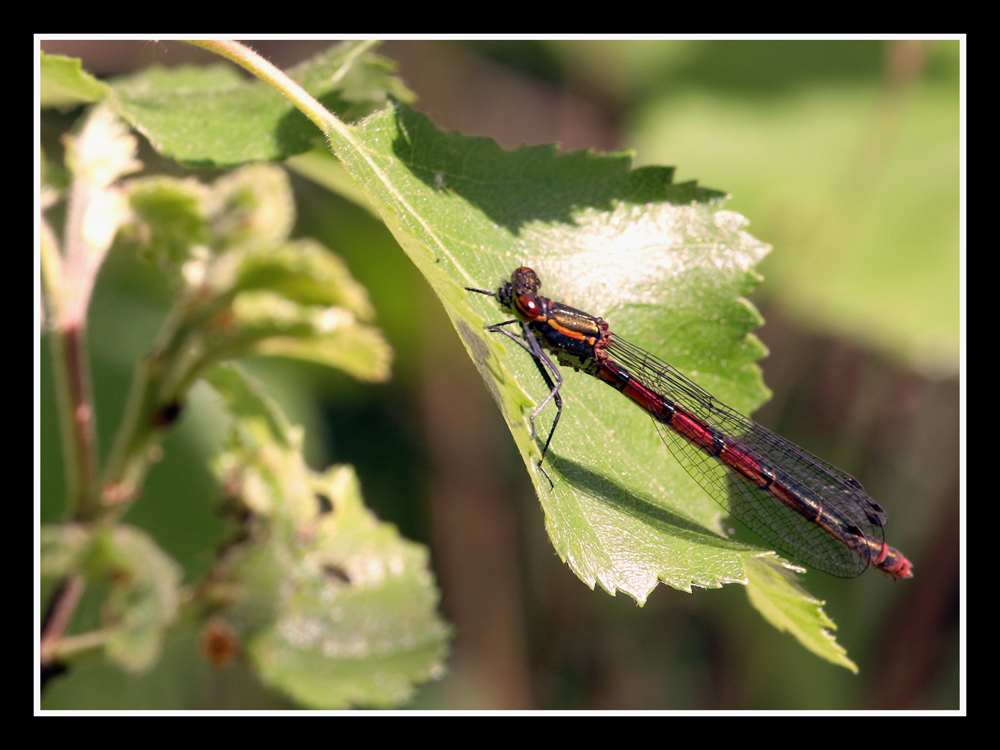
(844, 155)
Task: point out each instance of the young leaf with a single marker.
(144, 599)
(335, 607)
(243, 288)
(63, 550)
(145, 586)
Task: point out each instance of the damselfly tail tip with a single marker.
(894, 564)
(907, 571)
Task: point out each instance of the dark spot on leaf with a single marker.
(325, 503)
(336, 572)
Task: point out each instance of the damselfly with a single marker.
(816, 513)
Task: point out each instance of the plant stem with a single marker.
(68, 285)
(76, 412)
(97, 157)
(267, 72)
(57, 618)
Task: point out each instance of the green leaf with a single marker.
(214, 117)
(335, 607)
(775, 593)
(267, 324)
(64, 83)
(173, 215)
(306, 272)
(63, 550)
(665, 263)
(251, 209)
(249, 289)
(143, 601)
(354, 622)
(144, 598)
(359, 350)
